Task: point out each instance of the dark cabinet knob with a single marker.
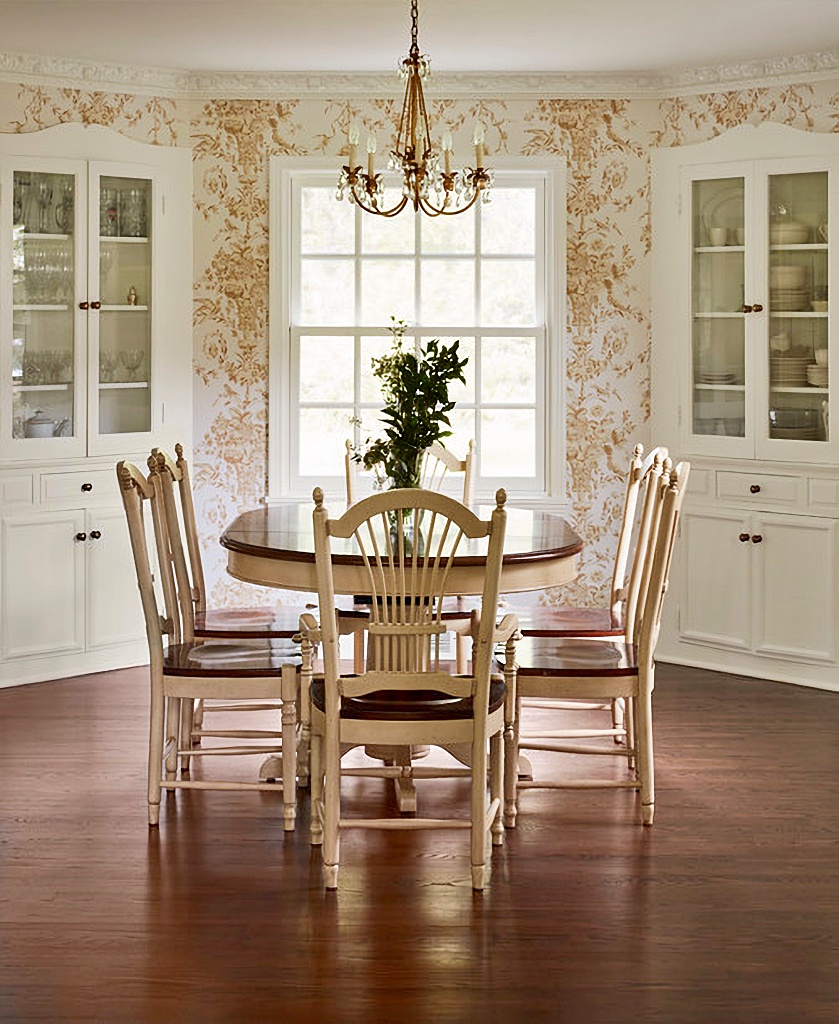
(95, 535)
(84, 305)
(96, 305)
(87, 487)
(744, 537)
(756, 539)
(746, 309)
(81, 536)
(755, 488)
(757, 308)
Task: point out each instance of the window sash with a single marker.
(287, 477)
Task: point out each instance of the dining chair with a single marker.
(610, 620)
(405, 540)
(280, 625)
(183, 670)
(602, 669)
(438, 465)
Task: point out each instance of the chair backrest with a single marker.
(170, 480)
(438, 463)
(138, 498)
(637, 479)
(405, 541)
(666, 508)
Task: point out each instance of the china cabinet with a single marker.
(95, 365)
(743, 345)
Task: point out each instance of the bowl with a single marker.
(819, 305)
(791, 232)
(821, 356)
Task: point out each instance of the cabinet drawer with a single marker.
(81, 486)
(16, 491)
(758, 487)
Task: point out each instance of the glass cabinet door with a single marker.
(121, 264)
(718, 324)
(45, 360)
(797, 262)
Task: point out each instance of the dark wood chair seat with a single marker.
(404, 706)
(282, 622)
(548, 656)
(548, 621)
(217, 659)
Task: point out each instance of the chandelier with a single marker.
(424, 185)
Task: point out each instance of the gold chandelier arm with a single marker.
(400, 206)
(445, 210)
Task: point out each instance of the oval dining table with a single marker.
(274, 546)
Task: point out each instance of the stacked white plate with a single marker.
(717, 377)
(790, 300)
(791, 371)
(791, 232)
(817, 375)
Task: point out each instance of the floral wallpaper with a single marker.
(606, 144)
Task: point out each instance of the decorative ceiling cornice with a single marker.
(70, 73)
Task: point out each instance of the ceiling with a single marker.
(561, 36)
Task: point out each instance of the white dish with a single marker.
(724, 209)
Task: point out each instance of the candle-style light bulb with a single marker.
(352, 137)
(447, 151)
(371, 149)
(478, 139)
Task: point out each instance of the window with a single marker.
(489, 277)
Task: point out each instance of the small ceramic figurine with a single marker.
(132, 296)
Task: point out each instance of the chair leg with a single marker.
(157, 726)
(186, 727)
(644, 732)
(479, 813)
(288, 692)
(496, 786)
(197, 722)
(511, 765)
(316, 791)
(173, 736)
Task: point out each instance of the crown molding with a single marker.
(31, 69)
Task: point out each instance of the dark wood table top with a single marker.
(274, 546)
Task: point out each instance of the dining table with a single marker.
(273, 546)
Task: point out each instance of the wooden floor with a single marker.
(726, 911)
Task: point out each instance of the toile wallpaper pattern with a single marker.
(606, 144)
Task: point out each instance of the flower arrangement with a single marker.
(415, 385)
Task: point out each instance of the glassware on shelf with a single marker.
(107, 366)
(109, 212)
(132, 360)
(44, 197)
(132, 213)
(64, 210)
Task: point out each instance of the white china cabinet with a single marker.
(745, 277)
(95, 365)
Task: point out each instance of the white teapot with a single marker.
(40, 425)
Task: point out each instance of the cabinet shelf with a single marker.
(803, 247)
(805, 314)
(40, 307)
(123, 239)
(123, 385)
(806, 389)
(41, 387)
(47, 237)
(124, 309)
(734, 314)
(719, 248)
(719, 387)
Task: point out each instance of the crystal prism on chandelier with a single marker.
(425, 186)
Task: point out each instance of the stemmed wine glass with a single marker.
(132, 359)
(44, 201)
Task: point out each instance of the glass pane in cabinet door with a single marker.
(43, 291)
(717, 318)
(125, 290)
(798, 306)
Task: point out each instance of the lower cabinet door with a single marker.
(716, 578)
(795, 586)
(114, 612)
(43, 566)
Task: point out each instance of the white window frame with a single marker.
(285, 173)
